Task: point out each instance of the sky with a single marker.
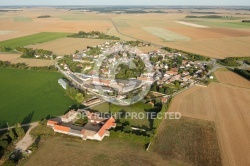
(127, 2)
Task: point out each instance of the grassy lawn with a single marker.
(111, 151)
(188, 140)
(33, 39)
(30, 95)
(22, 19)
(134, 121)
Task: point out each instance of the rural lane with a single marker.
(27, 140)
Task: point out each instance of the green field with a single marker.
(33, 39)
(22, 19)
(165, 34)
(27, 95)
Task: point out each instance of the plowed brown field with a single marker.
(229, 32)
(228, 77)
(216, 48)
(228, 107)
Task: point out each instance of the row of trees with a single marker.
(7, 64)
(75, 94)
(248, 21)
(191, 56)
(206, 16)
(244, 73)
(44, 16)
(94, 35)
(228, 62)
(31, 53)
(7, 139)
(5, 49)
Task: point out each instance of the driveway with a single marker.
(27, 140)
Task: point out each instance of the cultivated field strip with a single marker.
(165, 34)
(231, 78)
(191, 24)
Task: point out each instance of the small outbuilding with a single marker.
(63, 83)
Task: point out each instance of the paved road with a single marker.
(27, 140)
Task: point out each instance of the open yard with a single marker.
(32, 39)
(144, 122)
(27, 95)
(191, 141)
(227, 107)
(67, 46)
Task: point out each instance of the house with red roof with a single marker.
(61, 129)
(96, 128)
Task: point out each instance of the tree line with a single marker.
(191, 56)
(244, 73)
(93, 35)
(32, 53)
(7, 142)
(7, 64)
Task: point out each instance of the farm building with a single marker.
(63, 83)
(95, 129)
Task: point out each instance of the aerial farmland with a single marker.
(59, 62)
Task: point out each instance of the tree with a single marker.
(19, 130)
(191, 71)
(161, 90)
(12, 135)
(4, 144)
(79, 97)
(127, 129)
(169, 91)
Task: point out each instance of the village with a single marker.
(118, 69)
(115, 71)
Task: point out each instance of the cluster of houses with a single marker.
(115, 53)
(173, 74)
(95, 127)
